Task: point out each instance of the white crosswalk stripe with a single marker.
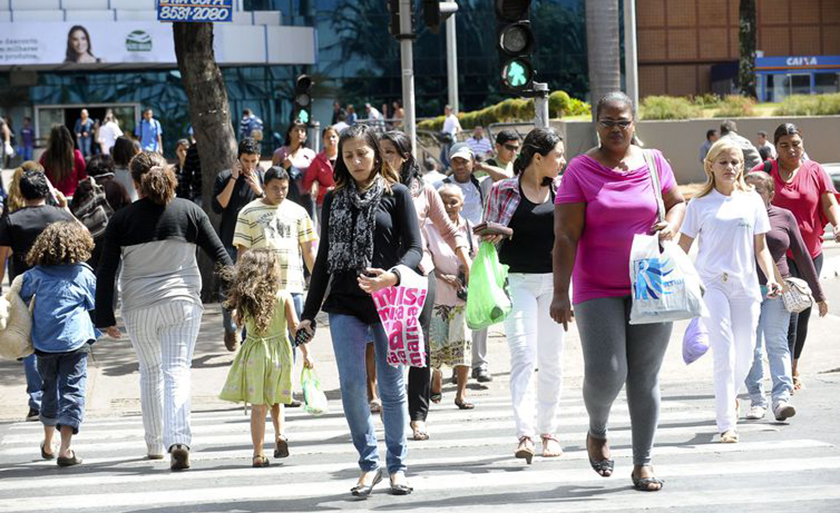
(469, 461)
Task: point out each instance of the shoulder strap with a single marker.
(653, 171)
(469, 235)
(768, 166)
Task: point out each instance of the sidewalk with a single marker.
(113, 378)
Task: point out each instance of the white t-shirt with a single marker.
(451, 125)
(727, 226)
(108, 134)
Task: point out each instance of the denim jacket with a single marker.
(63, 295)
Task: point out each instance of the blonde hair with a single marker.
(717, 148)
(61, 243)
(15, 199)
(254, 282)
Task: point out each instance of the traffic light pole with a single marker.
(406, 38)
(452, 63)
(540, 105)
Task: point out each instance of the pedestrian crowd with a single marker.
(336, 230)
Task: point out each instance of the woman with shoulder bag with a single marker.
(605, 199)
(525, 204)
(783, 237)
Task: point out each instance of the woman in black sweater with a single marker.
(370, 227)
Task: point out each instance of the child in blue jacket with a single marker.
(63, 288)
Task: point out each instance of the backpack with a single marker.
(94, 212)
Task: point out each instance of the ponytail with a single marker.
(155, 179)
(538, 140)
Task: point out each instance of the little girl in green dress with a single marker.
(261, 373)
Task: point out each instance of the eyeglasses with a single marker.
(511, 147)
(609, 125)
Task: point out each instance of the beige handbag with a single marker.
(796, 294)
(15, 324)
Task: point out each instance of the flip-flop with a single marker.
(69, 462)
(45, 455)
(643, 484)
(435, 397)
(281, 448)
(260, 461)
(464, 405)
(419, 433)
(603, 468)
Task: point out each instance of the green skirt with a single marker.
(261, 373)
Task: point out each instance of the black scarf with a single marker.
(352, 223)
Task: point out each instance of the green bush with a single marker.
(514, 109)
(807, 105)
(706, 100)
(669, 107)
(734, 106)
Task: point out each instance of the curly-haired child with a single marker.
(64, 288)
(261, 373)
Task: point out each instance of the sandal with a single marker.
(419, 433)
(69, 462)
(435, 397)
(729, 437)
(797, 383)
(260, 461)
(281, 447)
(464, 405)
(376, 406)
(548, 439)
(525, 449)
(643, 484)
(46, 455)
(603, 468)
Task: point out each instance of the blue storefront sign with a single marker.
(779, 77)
(212, 11)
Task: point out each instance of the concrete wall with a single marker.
(680, 140)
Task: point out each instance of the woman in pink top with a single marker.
(804, 188)
(296, 158)
(318, 178)
(606, 197)
(63, 164)
(396, 151)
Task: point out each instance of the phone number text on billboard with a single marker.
(205, 11)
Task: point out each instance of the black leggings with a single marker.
(420, 378)
(798, 329)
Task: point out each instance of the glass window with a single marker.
(800, 84)
(827, 83)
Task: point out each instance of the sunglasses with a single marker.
(511, 147)
(609, 125)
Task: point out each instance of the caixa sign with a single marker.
(801, 61)
(797, 62)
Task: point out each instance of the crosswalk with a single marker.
(467, 465)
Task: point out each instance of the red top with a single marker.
(320, 170)
(803, 197)
(68, 185)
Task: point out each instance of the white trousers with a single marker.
(732, 323)
(535, 341)
(164, 338)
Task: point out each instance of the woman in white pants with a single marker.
(156, 237)
(525, 203)
(731, 221)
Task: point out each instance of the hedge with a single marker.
(734, 106)
(669, 107)
(514, 109)
(807, 105)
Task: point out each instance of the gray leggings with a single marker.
(615, 353)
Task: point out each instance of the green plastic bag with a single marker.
(488, 300)
(314, 399)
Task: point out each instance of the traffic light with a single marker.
(303, 99)
(394, 23)
(516, 43)
(436, 12)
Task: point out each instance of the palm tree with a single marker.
(602, 48)
(746, 37)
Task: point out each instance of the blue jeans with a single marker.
(227, 318)
(350, 336)
(64, 375)
(25, 152)
(84, 146)
(33, 381)
(773, 330)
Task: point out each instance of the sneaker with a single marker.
(33, 415)
(783, 410)
(231, 341)
(482, 376)
(756, 412)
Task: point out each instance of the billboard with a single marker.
(53, 43)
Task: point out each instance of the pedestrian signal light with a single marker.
(303, 99)
(515, 45)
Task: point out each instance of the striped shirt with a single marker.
(283, 228)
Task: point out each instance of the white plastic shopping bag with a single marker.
(665, 285)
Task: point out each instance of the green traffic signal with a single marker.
(517, 74)
(303, 116)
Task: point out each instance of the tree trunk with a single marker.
(211, 121)
(746, 37)
(602, 48)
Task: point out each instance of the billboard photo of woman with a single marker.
(79, 47)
